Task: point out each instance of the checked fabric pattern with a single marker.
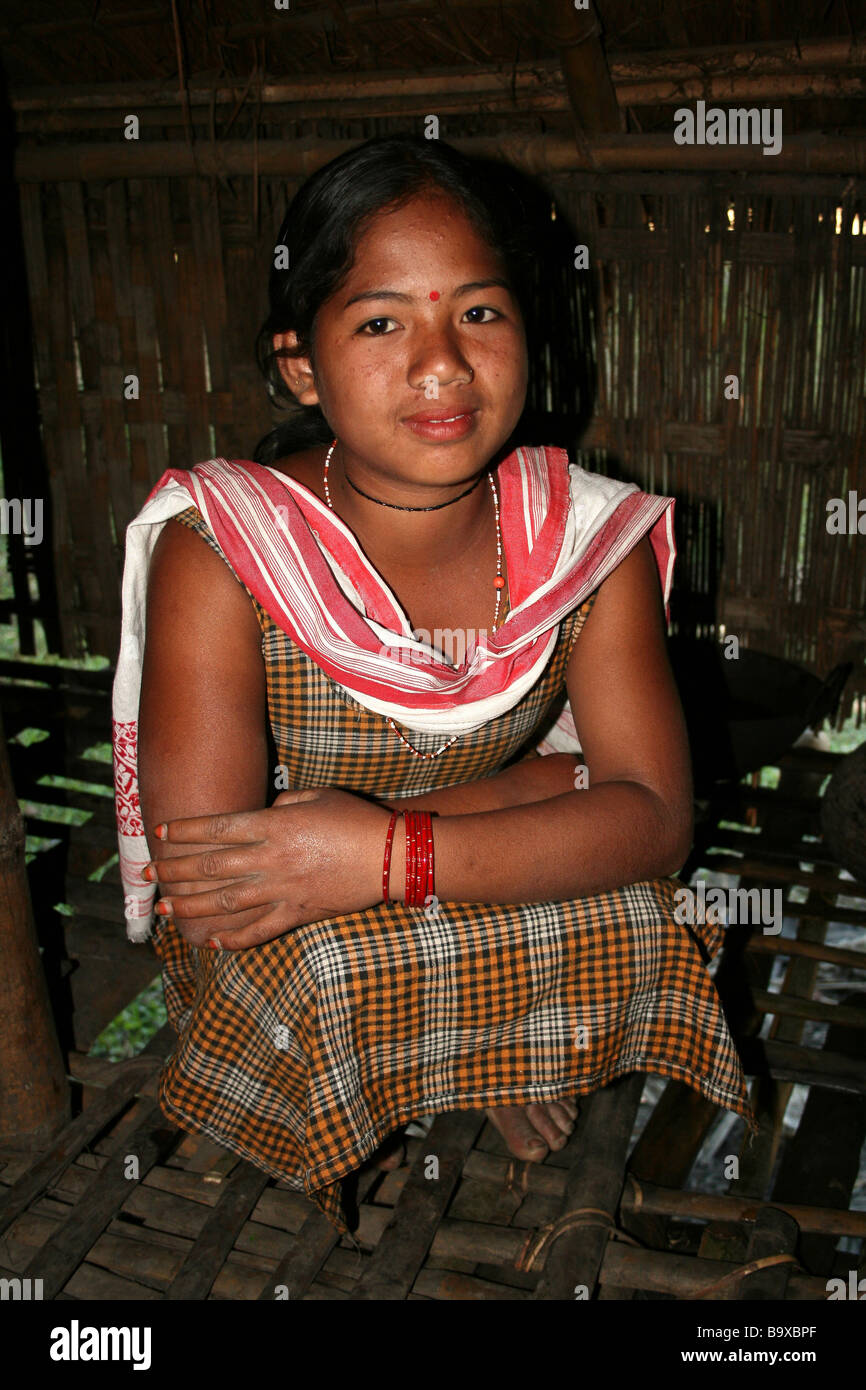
(304, 1053)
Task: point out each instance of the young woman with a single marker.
(376, 617)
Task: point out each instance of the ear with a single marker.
(297, 372)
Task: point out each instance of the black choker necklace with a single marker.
(396, 505)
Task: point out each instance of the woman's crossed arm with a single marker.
(318, 853)
(634, 819)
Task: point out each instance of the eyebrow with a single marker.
(497, 283)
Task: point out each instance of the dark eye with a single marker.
(483, 309)
(371, 321)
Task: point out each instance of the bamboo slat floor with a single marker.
(94, 1233)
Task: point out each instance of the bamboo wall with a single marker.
(163, 279)
(771, 289)
(166, 278)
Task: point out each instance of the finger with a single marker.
(197, 931)
(266, 928)
(236, 827)
(216, 902)
(290, 798)
(224, 863)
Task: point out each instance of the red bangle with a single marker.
(409, 893)
(389, 844)
(409, 890)
(430, 890)
(419, 857)
(421, 870)
(420, 860)
(420, 879)
(426, 845)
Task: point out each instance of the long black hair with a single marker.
(324, 223)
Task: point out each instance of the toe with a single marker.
(528, 1143)
(546, 1125)
(552, 1121)
(560, 1113)
(521, 1137)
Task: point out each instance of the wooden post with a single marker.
(590, 89)
(34, 1094)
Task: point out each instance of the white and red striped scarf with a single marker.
(563, 531)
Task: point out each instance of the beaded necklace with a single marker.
(499, 581)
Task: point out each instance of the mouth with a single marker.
(439, 417)
(442, 426)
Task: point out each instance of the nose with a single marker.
(439, 356)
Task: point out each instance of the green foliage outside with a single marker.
(132, 1030)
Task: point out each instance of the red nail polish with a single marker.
(161, 831)
(214, 945)
(163, 907)
(149, 873)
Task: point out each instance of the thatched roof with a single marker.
(483, 66)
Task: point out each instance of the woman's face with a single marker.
(383, 349)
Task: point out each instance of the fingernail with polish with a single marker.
(161, 831)
(214, 944)
(149, 872)
(164, 907)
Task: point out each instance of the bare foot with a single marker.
(530, 1131)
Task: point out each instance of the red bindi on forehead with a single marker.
(434, 294)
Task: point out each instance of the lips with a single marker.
(442, 426)
(439, 417)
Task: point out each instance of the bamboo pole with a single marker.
(649, 1198)
(502, 104)
(783, 1005)
(489, 93)
(724, 60)
(591, 96)
(792, 946)
(725, 71)
(684, 1276)
(725, 91)
(34, 1095)
(539, 154)
(298, 91)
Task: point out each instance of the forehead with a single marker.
(429, 230)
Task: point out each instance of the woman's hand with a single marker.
(312, 855)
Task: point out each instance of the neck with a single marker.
(401, 507)
(415, 540)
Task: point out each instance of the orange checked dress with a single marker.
(304, 1053)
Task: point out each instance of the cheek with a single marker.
(352, 377)
(371, 379)
(506, 360)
